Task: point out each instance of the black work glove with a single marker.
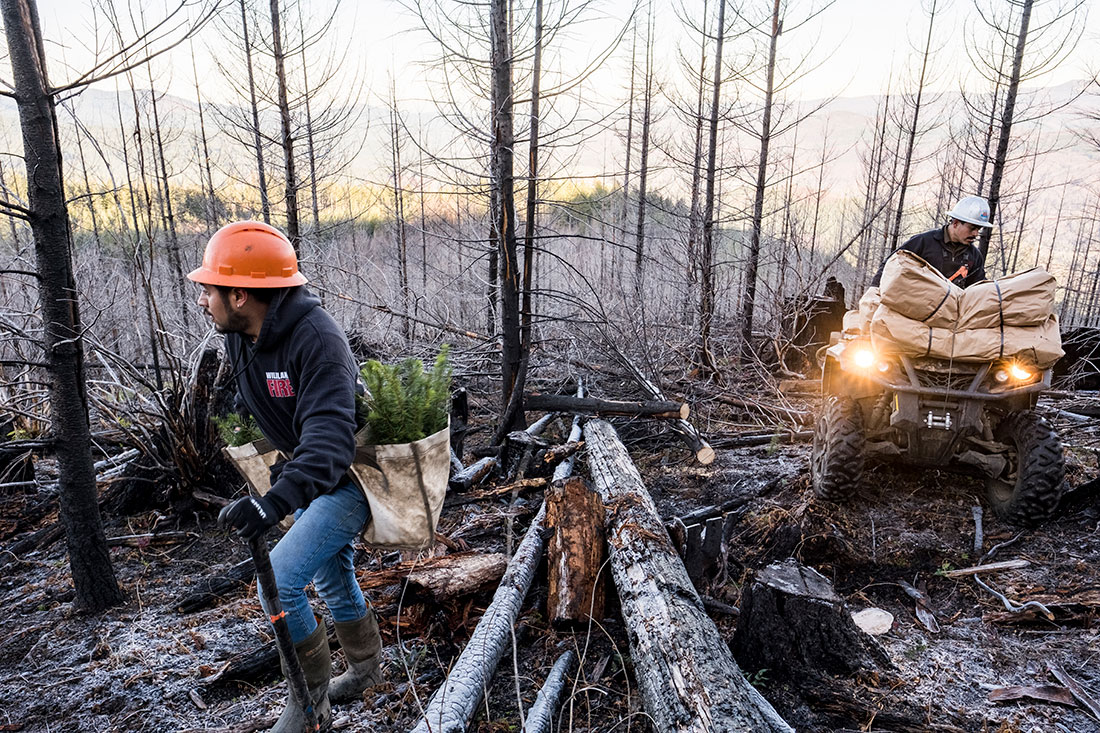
(252, 516)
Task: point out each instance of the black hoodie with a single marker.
(298, 381)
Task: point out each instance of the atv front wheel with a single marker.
(1028, 490)
(837, 465)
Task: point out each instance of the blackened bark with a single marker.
(293, 231)
(706, 254)
(93, 576)
(504, 209)
(748, 304)
(1006, 126)
(265, 202)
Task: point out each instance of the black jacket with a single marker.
(298, 381)
(948, 258)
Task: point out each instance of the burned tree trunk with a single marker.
(688, 679)
(575, 553)
(93, 576)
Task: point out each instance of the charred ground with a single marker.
(145, 667)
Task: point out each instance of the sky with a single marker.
(857, 43)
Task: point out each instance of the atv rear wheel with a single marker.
(1030, 487)
(837, 465)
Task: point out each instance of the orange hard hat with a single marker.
(249, 254)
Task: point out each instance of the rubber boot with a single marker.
(313, 654)
(363, 649)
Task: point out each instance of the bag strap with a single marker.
(936, 310)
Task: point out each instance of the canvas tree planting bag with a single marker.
(915, 289)
(405, 484)
(254, 461)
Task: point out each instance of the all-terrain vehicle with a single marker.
(975, 418)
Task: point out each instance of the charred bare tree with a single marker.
(93, 576)
(290, 176)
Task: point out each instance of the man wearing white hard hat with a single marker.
(951, 249)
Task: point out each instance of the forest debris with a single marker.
(1076, 688)
(676, 648)
(197, 699)
(541, 714)
(1012, 605)
(798, 417)
(150, 539)
(923, 607)
(454, 703)
(992, 567)
(457, 575)
(752, 439)
(800, 387)
(575, 553)
(657, 409)
(521, 485)
(215, 589)
(979, 538)
(1046, 693)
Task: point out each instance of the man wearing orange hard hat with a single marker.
(296, 376)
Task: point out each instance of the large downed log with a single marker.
(662, 409)
(686, 674)
(575, 553)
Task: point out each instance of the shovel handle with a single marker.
(296, 679)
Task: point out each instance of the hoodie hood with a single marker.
(287, 308)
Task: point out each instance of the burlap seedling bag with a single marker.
(915, 289)
(405, 485)
(254, 461)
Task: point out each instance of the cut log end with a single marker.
(705, 455)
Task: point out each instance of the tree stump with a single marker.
(575, 553)
(795, 625)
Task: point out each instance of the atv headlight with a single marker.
(1019, 373)
(1000, 376)
(864, 357)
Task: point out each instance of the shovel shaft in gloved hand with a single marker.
(296, 679)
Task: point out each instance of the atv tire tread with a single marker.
(837, 464)
(1037, 486)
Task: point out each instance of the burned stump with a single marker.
(795, 625)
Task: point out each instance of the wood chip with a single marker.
(194, 695)
(874, 621)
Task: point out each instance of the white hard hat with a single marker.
(972, 210)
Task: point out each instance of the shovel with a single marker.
(296, 679)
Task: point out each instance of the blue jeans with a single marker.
(318, 548)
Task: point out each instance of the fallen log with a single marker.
(462, 574)
(542, 710)
(660, 409)
(575, 553)
(454, 703)
(688, 679)
(687, 432)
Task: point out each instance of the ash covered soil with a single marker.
(145, 667)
